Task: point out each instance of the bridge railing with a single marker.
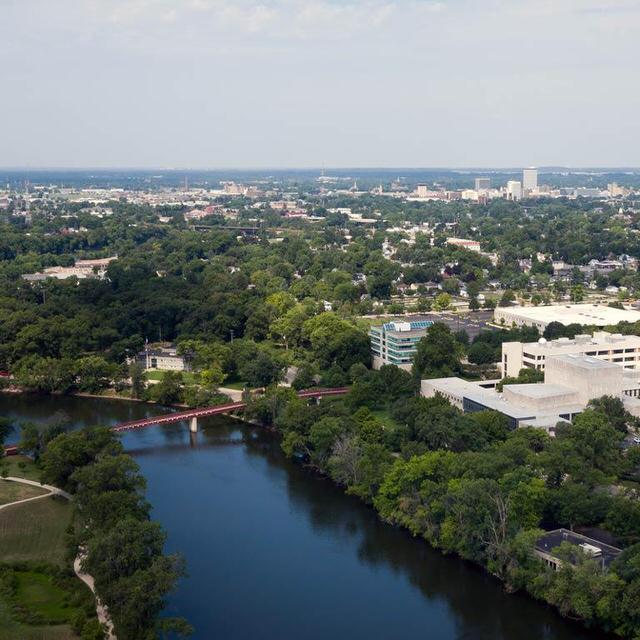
(215, 410)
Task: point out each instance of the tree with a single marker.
(94, 373)
(212, 377)
(138, 382)
(262, 370)
(289, 327)
(135, 601)
(169, 390)
(438, 353)
(508, 298)
(596, 443)
(554, 330)
(109, 490)
(489, 304)
(45, 374)
(70, 451)
(613, 409)
(322, 437)
(334, 341)
(494, 424)
(442, 302)
(451, 286)
(121, 551)
(481, 353)
(577, 293)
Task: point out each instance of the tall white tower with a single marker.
(530, 179)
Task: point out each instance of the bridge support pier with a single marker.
(193, 425)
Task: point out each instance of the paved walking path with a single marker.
(234, 394)
(101, 610)
(51, 491)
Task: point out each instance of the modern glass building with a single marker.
(396, 342)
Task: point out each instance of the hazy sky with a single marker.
(295, 83)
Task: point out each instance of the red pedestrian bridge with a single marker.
(192, 415)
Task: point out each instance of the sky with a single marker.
(302, 83)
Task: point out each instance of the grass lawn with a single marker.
(188, 377)
(28, 469)
(38, 593)
(384, 415)
(13, 491)
(237, 386)
(35, 531)
(34, 604)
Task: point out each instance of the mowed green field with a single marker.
(35, 531)
(20, 467)
(13, 491)
(188, 377)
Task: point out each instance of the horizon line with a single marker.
(322, 168)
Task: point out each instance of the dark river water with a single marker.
(274, 551)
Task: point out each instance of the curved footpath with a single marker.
(52, 491)
(101, 610)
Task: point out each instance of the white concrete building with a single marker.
(163, 359)
(514, 190)
(611, 347)
(530, 179)
(585, 314)
(570, 382)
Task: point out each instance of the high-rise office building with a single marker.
(514, 190)
(530, 179)
(483, 184)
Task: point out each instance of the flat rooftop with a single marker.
(599, 339)
(598, 550)
(539, 390)
(492, 400)
(412, 329)
(587, 314)
(585, 362)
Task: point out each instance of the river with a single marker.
(276, 552)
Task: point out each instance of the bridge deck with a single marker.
(205, 412)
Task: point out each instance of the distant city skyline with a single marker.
(204, 84)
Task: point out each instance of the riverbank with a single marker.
(331, 556)
(46, 491)
(233, 394)
(469, 486)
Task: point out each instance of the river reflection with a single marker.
(275, 551)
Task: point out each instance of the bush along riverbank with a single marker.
(469, 485)
(122, 549)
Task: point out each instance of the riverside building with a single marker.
(396, 342)
(570, 382)
(612, 347)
